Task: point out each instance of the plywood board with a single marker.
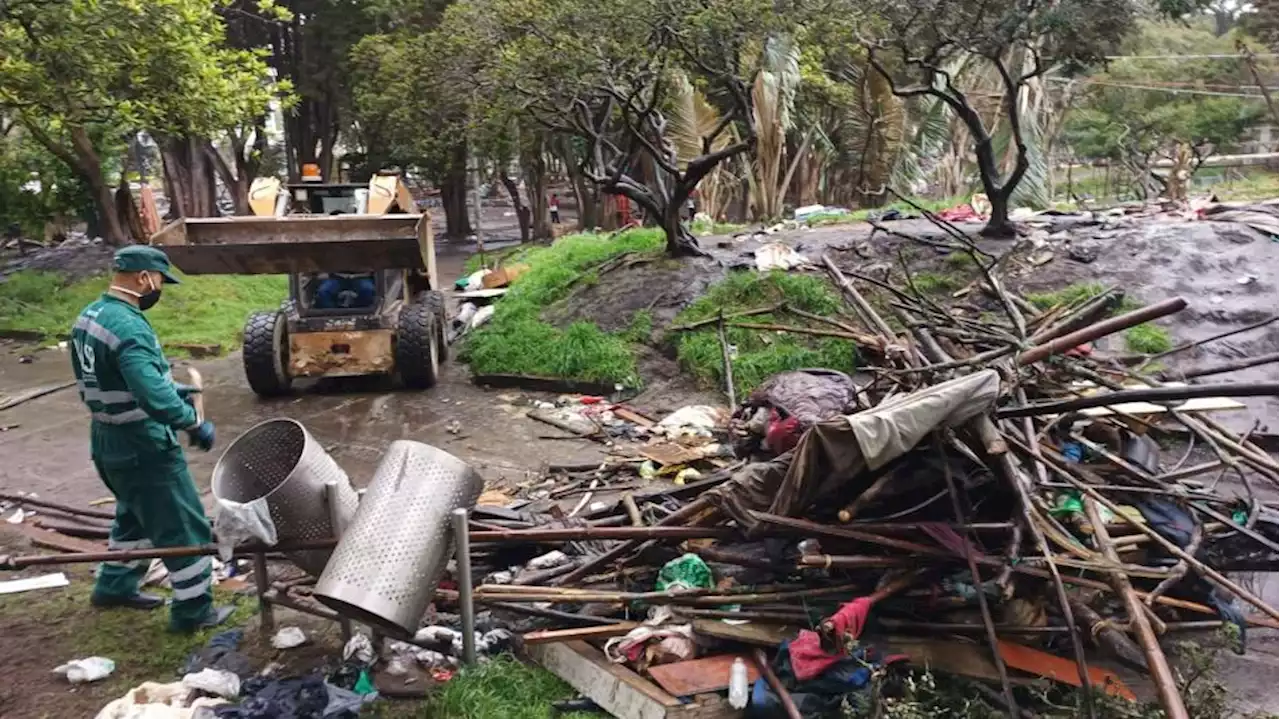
(618, 690)
(696, 676)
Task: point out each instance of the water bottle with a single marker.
(738, 684)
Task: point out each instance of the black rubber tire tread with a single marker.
(261, 362)
(417, 331)
(436, 301)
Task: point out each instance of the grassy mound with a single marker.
(205, 309)
(518, 341)
(761, 354)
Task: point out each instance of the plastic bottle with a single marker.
(738, 684)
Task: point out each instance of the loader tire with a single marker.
(436, 301)
(266, 354)
(418, 345)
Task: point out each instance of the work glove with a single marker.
(202, 436)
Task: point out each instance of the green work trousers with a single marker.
(157, 506)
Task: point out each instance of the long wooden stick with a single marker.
(992, 640)
(727, 358)
(1157, 663)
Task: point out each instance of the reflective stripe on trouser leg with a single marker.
(121, 579)
(162, 495)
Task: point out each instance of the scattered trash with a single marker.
(777, 256)
(359, 649)
(17, 516)
(288, 638)
(90, 669)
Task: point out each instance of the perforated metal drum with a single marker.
(386, 566)
(280, 461)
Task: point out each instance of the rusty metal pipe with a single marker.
(1102, 329)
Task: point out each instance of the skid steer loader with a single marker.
(363, 293)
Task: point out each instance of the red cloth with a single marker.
(782, 434)
(959, 213)
(808, 658)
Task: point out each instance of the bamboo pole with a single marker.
(1157, 663)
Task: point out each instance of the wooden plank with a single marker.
(549, 636)
(617, 690)
(1034, 661)
(53, 540)
(696, 676)
(761, 635)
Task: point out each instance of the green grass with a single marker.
(138, 642)
(761, 353)
(205, 309)
(503, 688)
(518, 341)
(935, 283)
(702, 228)
(1148, 338)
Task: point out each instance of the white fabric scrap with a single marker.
(236, 522)
(89, 669)
(891, 429)
(214, 681)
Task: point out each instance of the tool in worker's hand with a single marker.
(197, 397)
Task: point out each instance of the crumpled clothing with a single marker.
(783, 433)
(307, 697)
(220, 653)
(1168, 519)
(652, 643)
(808, 659)
(809, 395)
(821, 695)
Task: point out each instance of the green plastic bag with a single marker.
(686, 572)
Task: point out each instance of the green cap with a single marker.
(136, 258)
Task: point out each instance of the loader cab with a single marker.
(332, 294)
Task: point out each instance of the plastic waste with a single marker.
(685, 572)
(214, 681)
(549, 560)
(235, 522)
(648, 470)
(288, 638)
(359, 649)
(738, 684)
(89, 669)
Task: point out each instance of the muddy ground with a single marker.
(45, 443)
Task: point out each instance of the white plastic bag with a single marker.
(288, 638)
(91, 669)
(236, 522)
(214, 681)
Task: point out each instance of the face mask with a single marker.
(146, 300)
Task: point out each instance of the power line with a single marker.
(1171, 90)
(1178, 57)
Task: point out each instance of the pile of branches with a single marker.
(1045, 507)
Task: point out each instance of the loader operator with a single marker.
(136, 408)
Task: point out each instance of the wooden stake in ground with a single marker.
(727, 356)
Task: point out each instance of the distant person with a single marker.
(137, 409)
(554, 204)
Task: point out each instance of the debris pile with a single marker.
(983, 475)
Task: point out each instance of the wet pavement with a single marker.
(354, 419)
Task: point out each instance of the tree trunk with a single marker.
(998, 226)
(190, 176)
(680, 242)
(453, 195)
(237, 184)
(535, 180)
(522, 210)
(86, 162)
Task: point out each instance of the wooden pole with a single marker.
(1157, 663)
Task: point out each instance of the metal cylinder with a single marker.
(279, 461)
(386, 566)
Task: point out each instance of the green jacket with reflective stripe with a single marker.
(126, 383)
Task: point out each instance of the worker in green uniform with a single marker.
(137, 408)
